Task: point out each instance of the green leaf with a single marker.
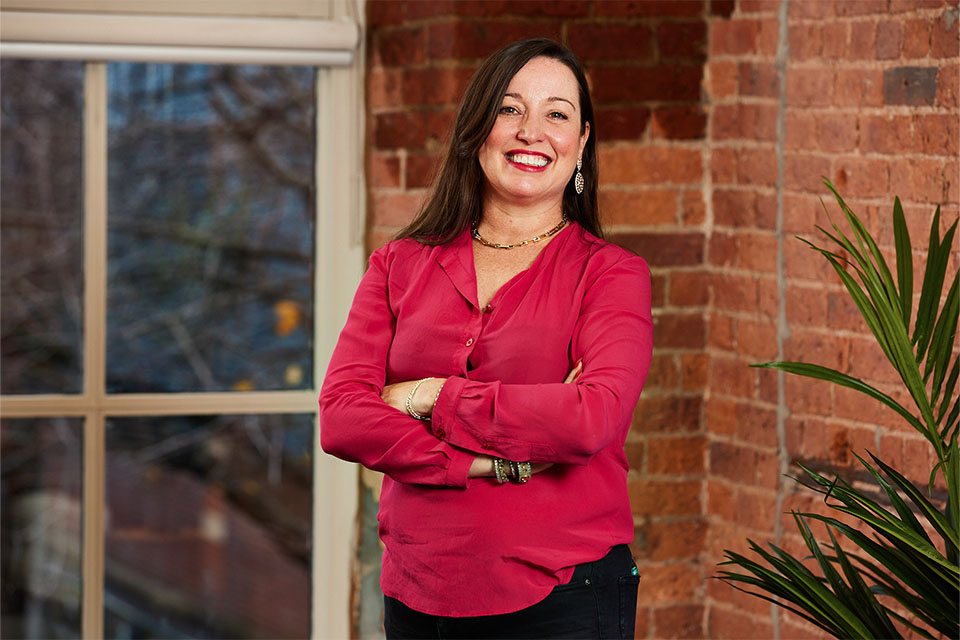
(901, 236)
(831, 375)
(944, 334)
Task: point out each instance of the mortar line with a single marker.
(783, 54)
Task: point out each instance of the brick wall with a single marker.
(715, 125)
(865, 94)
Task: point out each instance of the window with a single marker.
(181, 239)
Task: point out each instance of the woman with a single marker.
(490, 366)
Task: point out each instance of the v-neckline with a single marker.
(506, 286)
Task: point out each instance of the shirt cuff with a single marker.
(443, 417)
(458, 472)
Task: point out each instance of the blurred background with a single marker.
(185, 212)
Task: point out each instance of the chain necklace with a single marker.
(476, 234)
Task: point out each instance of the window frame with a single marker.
(338, 263)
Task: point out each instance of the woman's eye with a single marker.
(557, 115)
(508, 110)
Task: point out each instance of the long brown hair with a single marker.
(456, 198)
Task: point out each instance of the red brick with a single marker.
(804, 41)
(735, 36)
(751, 121)
(833, 40)
(395, 209)
(693, 211)
(673, 582)
(759, 6)
(723, 249)
(759, 79)
(756, 425)
(433, 86)
(658, 286)
(938, 134)
(621, 123)
(919, 179)
(679, 122)
(663, 374)
(722, 8)
(679, 621)
(858, 88)
(401, 46)
(740, 208)
(887, 44)
(667, 414)
(638, 208)
(721, 333)
(723, 165)
(383, 14)
(948, 92)
(799, 215)
(383, 171)
(944, 41)
(547, 8)
(916, 38)
(675, 455)
(723, 76)
(888, 134)
(725, 623)
(438, 127)
(861, 45)
(665, 249)
(666, 541)
(733, 377)
(804, 172)
(807, 10)
(686, 39)
(592, 41)
(664, 497)
(693, 371)
(468, 39)
(757, 166)
(673, 82)
(650, 165)
(383, 89)
(733, 462)
(837, 132)
(859, 177)
(399, 129)
(421, 169)
(768, 37)
(805, 307)
(651, 8)
(757, 252)
(810, 87)
(688, 289)
(801, 128)
(861, 7)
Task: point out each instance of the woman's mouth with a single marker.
(528, 161)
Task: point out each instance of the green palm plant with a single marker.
(900, 564)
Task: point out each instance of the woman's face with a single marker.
(532, 150)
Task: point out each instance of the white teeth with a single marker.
(529, 160)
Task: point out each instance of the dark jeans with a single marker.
(600, 601)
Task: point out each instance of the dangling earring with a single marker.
(578, 178)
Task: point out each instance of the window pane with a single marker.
(41, 202)
(211, 218)
(209, 527)
(41, 527)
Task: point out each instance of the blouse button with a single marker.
(440, 433)
(469, 342)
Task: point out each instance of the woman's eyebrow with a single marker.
(517, 96)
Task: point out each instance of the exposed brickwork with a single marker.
(871, 104)
(693, 139)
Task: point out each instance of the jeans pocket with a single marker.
(628, 604)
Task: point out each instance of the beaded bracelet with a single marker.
(409, 404)
(500, 469)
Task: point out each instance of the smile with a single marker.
(528, 160)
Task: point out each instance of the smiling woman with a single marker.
(490, 366)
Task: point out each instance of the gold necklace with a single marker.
(476, 234)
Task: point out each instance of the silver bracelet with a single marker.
(409, 404)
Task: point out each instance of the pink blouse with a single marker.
(465, 547)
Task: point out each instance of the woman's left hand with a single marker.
(423, 400)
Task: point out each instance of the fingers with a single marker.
(575, 372)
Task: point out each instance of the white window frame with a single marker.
(98, 31)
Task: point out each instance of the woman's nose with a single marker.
(530, 130)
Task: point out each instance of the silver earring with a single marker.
(578, 178)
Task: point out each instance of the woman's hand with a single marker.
(423, 400)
